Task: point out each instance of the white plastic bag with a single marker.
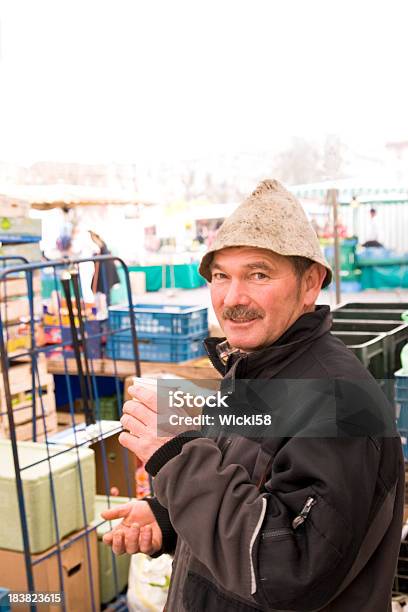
(149, 581)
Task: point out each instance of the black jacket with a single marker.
(277, 523)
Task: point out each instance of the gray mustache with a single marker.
(242, 312)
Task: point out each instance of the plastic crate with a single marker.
(401, 415)
(401, 386)
(107, 562)
(153, 320)
(170, 349)
(374, 253)
(371, 350)
(94, 330)
(4, 602)
(396, 336)
(368, 314)
(108, 408)
(375, 306)
(403, 432)
(347, 254)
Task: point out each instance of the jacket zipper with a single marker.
(297, 521)
(304, 513)
(276, 533)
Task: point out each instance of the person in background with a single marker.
(372, 240)
(64, 245)
(106, 275)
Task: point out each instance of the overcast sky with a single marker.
(120, 80)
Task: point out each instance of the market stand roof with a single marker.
(45, 197)
(366, 191)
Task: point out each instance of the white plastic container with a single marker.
(106, 571)
(37, 494)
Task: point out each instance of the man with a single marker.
(105, 276)
(306, 520)
(372, 232)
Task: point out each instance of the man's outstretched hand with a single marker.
(137, 532)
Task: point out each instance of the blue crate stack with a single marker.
(401, 400)
(165, 333)
(4, 600)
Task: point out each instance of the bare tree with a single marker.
(300, 163)
(333, 157)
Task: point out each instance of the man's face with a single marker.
(255, 294)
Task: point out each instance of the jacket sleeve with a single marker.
(169, 536)
(247, 538)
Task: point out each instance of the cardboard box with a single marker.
(65, 419)
(20, 375)
(76, 570)
(23, 412)
(30, 251)
(12, 286)
(121, 464)
(22, 401)
(18, 308)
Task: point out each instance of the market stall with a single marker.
(362, 268)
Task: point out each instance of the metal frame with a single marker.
(33, 352)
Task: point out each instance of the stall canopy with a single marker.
(367, 190)
(45, 197)
(350, 193)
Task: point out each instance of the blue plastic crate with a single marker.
(404, 442)
(375, 253)
(401, 414)
(401, 386)
(172, 350)
(93, 344)
(4, 602)
(154, 320)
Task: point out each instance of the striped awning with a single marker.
(364, 192)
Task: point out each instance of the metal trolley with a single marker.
(74, 350)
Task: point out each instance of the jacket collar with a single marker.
(294, 341)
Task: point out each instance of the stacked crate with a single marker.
(15, 311)
(165, 333)
(20, 381)
(59, 521)
(109, 565)
(375, 332)
(401, 403)
(19, 235)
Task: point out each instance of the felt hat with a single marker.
(270, 218)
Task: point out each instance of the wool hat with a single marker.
(270, 218)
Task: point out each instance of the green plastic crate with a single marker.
(347, 253)
(396, 336)
(374, 306)
(369, 348)
(108, 589)
(37, 494)
(369, 314)
(108, 408)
